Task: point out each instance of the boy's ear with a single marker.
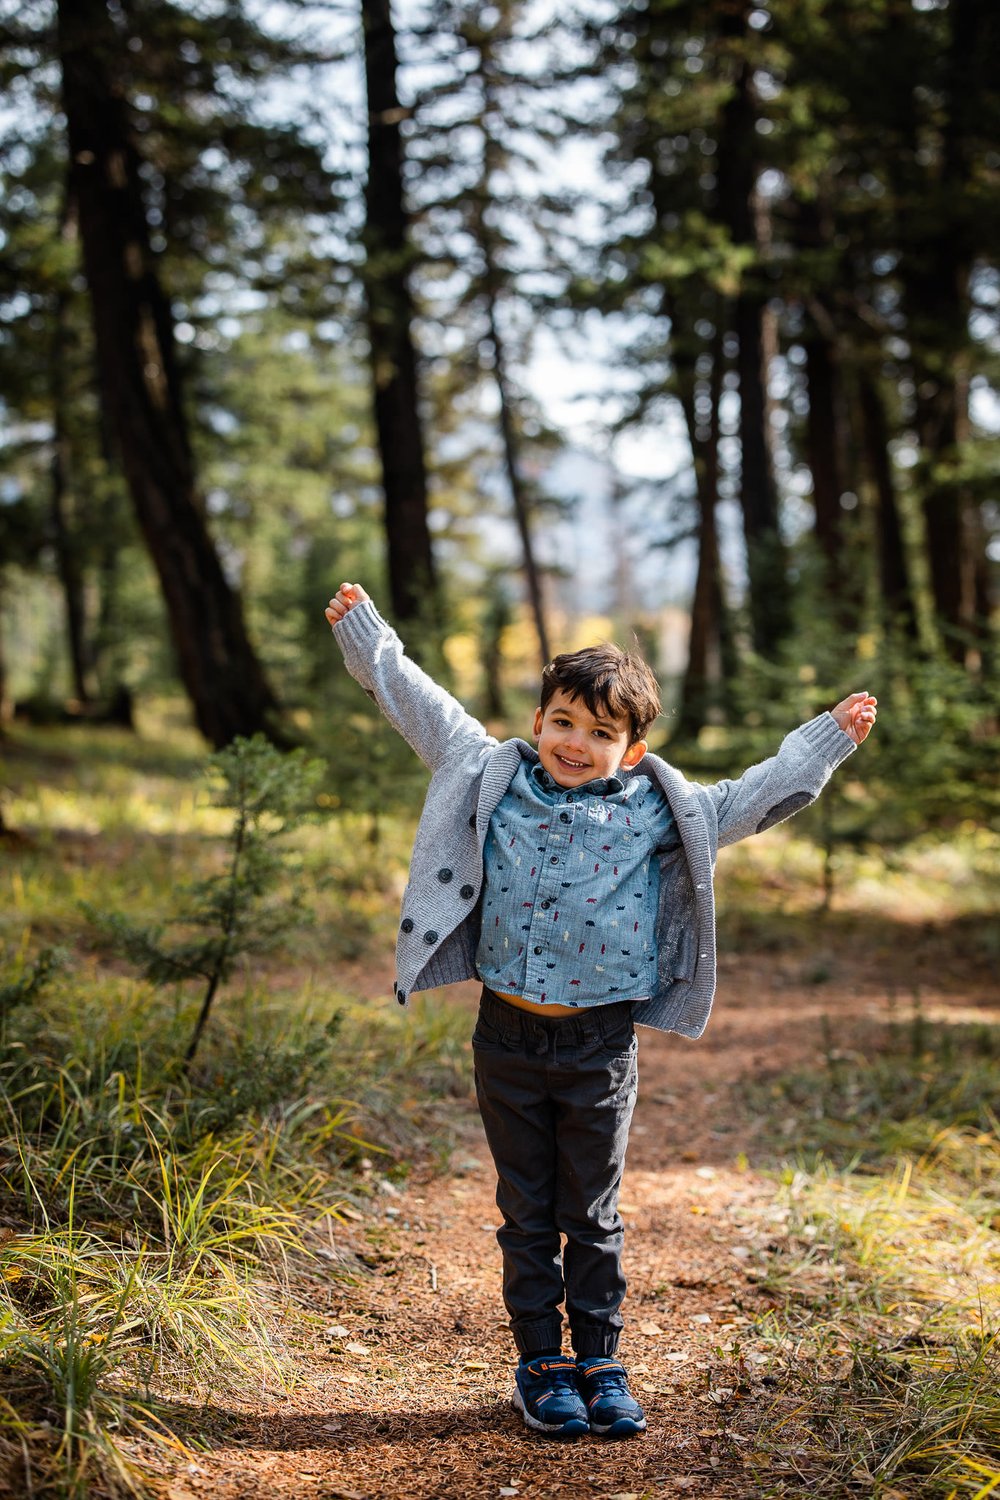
(536, 727)
(633, 755)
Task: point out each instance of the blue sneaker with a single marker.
(546, 1395)
(613, 1410)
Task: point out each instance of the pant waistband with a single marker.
(502, 1013)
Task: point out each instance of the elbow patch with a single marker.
(784, 809)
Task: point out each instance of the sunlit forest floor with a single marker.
(275, 1273)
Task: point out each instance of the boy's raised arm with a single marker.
(431, 721)
(789, 780)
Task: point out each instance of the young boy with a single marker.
(575, 881)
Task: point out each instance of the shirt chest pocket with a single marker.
(609, 837)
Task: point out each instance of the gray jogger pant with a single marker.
(556, 1096)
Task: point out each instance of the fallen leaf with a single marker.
(337, 1331)
(678, 1356)
(650, 1329)
(356, 1348)
(702, 1318)
(475, 1364)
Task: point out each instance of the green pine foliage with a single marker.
(247, 906)
(31, 980)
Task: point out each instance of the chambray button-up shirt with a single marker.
(570, 890)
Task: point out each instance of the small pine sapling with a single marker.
(241, 910)
(30, 981)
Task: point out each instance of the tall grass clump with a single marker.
(886, 1275)
(160, 1209)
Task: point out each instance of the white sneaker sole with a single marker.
(571, 1429)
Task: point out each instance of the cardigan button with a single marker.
(445, 875)
(400, 997)
(406, 925)
(467, 892)
(430, 937)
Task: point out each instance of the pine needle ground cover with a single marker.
(268, 1271)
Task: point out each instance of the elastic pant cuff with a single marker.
(533, 1338)
(589, 1343)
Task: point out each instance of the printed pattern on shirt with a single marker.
(571, 889)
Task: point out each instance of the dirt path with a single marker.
(407, 1389)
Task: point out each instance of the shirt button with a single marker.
(445, 875)
(538, 950)
(430, 937)
(546, 905)
(554, 860)
(565, 818)
(407, 924)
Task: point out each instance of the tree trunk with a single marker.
(706, 649)
(893, 570)
(937, 274)
(825, 454)
(519, 498)
(139, 382)
(67, 549)
(412, 580)
(6, 702)
(742, 212)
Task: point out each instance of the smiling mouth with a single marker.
(574, 765)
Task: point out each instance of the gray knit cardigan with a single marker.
(471, 771)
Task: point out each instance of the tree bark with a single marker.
(412, 578)
(707, 646)
(895, 588)
(937, 274)
(824, 451)
(139, 383)
(515, 481)
(67, 548)
(741, 212)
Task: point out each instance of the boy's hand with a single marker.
(856, 715)
(348, 595)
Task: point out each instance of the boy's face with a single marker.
(575, 747)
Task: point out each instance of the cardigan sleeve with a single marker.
(783, 784)
(432, 722)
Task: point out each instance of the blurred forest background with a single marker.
(546, 322)
(657, 317)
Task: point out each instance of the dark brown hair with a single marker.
(612, 683)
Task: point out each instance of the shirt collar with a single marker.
(601, 787)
